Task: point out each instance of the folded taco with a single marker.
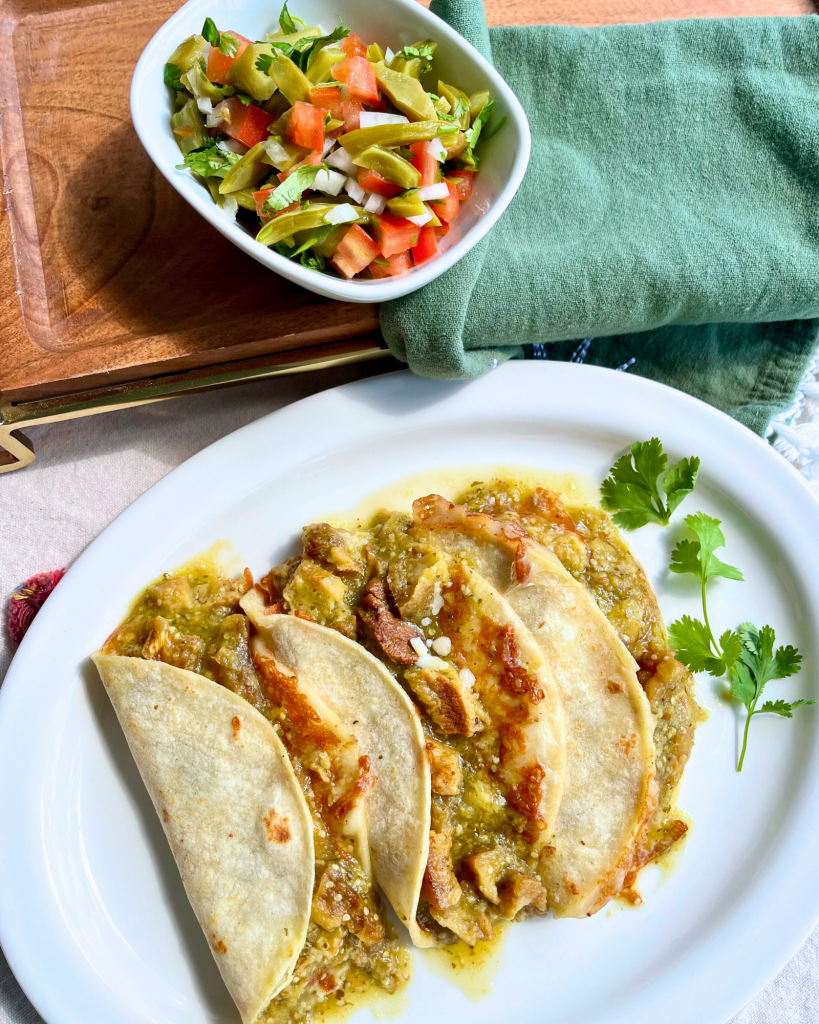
(629, 707)
(296, 924)
(485, 696)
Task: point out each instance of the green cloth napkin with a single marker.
(674, 183)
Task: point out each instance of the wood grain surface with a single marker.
(106, 274)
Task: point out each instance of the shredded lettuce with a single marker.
(290, 189)
(210, 162)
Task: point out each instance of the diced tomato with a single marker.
(442, 230)
(353, 46)
(247, 124)
(426, 247)
(355, 251)
(358, 75)
(400, 263)
(311, 160)
(463, 186)
(288, 209)
(306, 126)
(372, 181)
(351, 112)
(447, 209)
(425, 162)
(395, 234)
(260, 198)
(219, 64)
(328, 98)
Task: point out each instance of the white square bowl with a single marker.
(394, 23)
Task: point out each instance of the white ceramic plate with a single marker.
(93, 918)
(394, 23)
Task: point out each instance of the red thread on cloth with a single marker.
(28, 599)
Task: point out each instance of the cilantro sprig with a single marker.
(631, 488)
(746, 655)
(304, 51)
(225, 42)
(694, 641)
(756, 666)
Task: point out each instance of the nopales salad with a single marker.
(333, 151)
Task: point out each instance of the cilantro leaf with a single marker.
(424, 52)
(287, 24)
(210, 32)
(316, 237)
(491, 134)
(731, 646)
(679, 481)
(782, 707)
(244, 98)
(697, 556)
(310, 51)
(210, 162)
(312, 260)
(290, 189)
(172, 76)
(228, 44)
(263, 62)
(631, 488)
(473, 134)
(691, 639)
(757, 665)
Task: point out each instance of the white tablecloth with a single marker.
(88, 471)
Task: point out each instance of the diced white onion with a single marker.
(354, 190)
(329, 182)
(375, 204)
(438, 150)
(205, 105)
(417, 644)
(439, 191)
(421, 219)
(342, 161)
(216, 117)
(344, 213)
(431, 662)
(328, 145)
(388, 56)
(231, 146)
(278, 155)
(230, 207)
(467, 677)
(372, 119)
(442, 645)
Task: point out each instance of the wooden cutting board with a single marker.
(106, 275)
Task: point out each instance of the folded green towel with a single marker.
(674, 182)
